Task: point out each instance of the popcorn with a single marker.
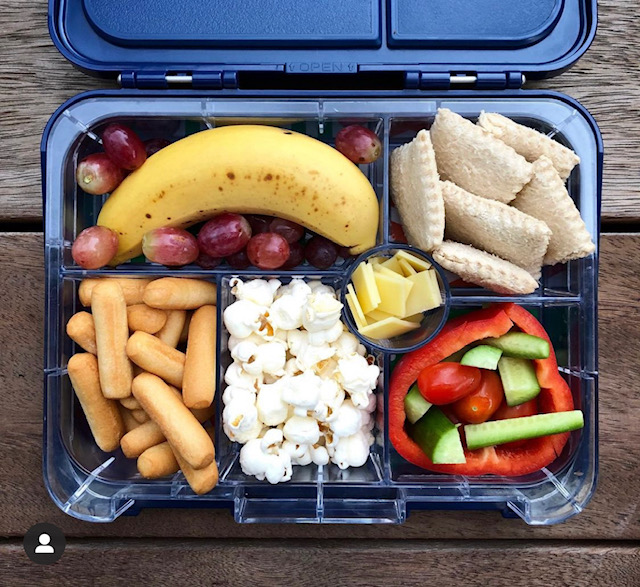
(299, 390)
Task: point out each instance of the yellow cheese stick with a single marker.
(178, 424)
(112, 332)
(171, 332)
(81, 330)
(156, 357)
(142, 317)
(175, 293)
(102, 414)
(199, 382)
(157, 461)
(132, 288)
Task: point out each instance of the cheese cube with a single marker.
(407, 269)
(377, 315)
(394, 292)
(366, 288)
(425, 294)
(393, 265)
(388, 328)
(415, 262)
(376, 260)
(387, 271)
(356, 310)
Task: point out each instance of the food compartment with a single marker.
(228, 452)
(81, 210)
(564, 125)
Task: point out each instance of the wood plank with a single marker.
(613, 513)
(204, 562)
(604, 80)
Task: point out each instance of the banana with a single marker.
(246, 169)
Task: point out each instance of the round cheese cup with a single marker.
(432, 320)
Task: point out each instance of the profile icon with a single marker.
(44, 543)
(44, 547)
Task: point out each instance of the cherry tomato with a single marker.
(506, 412)
(445, 383)
(482, 402)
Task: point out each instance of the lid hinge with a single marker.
(161, 80)
(427, 80)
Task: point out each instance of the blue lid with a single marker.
(329, 36)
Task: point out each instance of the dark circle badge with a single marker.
(44, 543)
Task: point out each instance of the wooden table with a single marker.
(598, 547)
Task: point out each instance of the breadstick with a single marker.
(547, 199)
(184, 335)
(135, 442)
(131, 403)
(140, 416)
(171, 332)
(132, 288)
(178, 424)
(199, 381)
(474, 159)
(81, 330)
(130, 423)
(110, 320)
(157, 461)
(156, 357)
(102, 414)
(416, 192)
(142, 317)
(175, 293)
(200, 480)
(529, 143)
(496, 228)
(484, 269)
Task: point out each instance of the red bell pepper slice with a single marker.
(555, 395)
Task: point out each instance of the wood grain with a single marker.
(36, 79)
(613, 513)
(329, 563)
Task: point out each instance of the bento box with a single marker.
(92, 485)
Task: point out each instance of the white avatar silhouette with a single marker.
(44, 547)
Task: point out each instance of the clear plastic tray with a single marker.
(91, 485)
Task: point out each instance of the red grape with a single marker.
(97, 174)
(291, 231)
(170, 246)
(123, 146)
(94, 247)
(259, 224)
(224, 235)
(344, 252)
(268, 250)
(152, 146)
(320, 252)
(207, 262)
(359, 144)
(296, 256)
(239, 260)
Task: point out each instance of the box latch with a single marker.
(428, 80)
(161, 80)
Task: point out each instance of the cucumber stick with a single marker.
(415, 406)
(503, 431)
(439, 438)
